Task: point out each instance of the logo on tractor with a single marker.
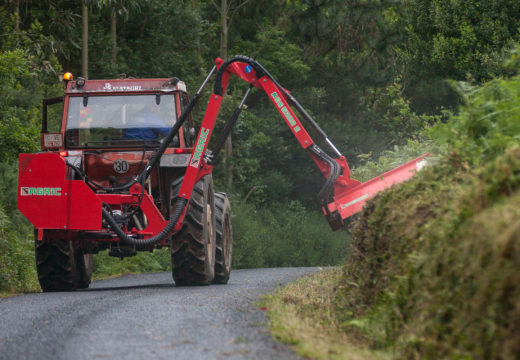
(109, 87)
(40, 191)
(197, 154)
(286, 113)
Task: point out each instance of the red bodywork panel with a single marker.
(50, 201)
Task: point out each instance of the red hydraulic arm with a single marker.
(341, 196)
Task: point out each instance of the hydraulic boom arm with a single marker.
(341, 196)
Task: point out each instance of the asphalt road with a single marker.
(146, 317)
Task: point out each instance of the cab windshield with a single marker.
(125, 120)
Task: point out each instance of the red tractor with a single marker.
(125, 173)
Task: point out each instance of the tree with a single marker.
(455, 39)
(227, 11)
(28, 72)
(117, 8)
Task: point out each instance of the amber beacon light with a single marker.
(67, 76)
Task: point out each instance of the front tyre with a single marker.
(224, 232)
(193, 248)
(61, 266)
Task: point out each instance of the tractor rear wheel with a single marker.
(224, 232)
(193, 248)
(61, 267)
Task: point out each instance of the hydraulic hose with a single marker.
(166, 141)
(179, 207)
(229, 126)
(335, 172)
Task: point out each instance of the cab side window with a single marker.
(187, 124)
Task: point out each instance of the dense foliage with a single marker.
(372, 72)
(433, 267)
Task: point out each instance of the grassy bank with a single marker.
(304, 315)
(433, 270)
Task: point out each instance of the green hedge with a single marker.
(434, 266)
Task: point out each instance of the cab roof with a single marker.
(125, 85)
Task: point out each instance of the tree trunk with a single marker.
(113, 35)
(228, 153)
(200, 61)
(84, 52)
(228, 147)
(16, 6)
(224, 29)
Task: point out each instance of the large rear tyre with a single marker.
(193, 248)
(224, 232)
(61, 267)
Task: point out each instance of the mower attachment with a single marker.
(351, 201)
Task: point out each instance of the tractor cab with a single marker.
(115, 114)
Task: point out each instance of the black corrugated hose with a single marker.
(179, 207)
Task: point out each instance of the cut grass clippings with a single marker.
(302, 314)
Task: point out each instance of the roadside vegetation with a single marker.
(433, 267)
(304, 315)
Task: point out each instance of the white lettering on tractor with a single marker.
(110, 87)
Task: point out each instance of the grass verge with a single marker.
(303, 314)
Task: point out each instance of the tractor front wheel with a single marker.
(61, 266)
(193, 248)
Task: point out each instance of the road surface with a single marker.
(146, 317)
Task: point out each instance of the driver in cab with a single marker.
(146, 124)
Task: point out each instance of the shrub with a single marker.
(283, 235)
